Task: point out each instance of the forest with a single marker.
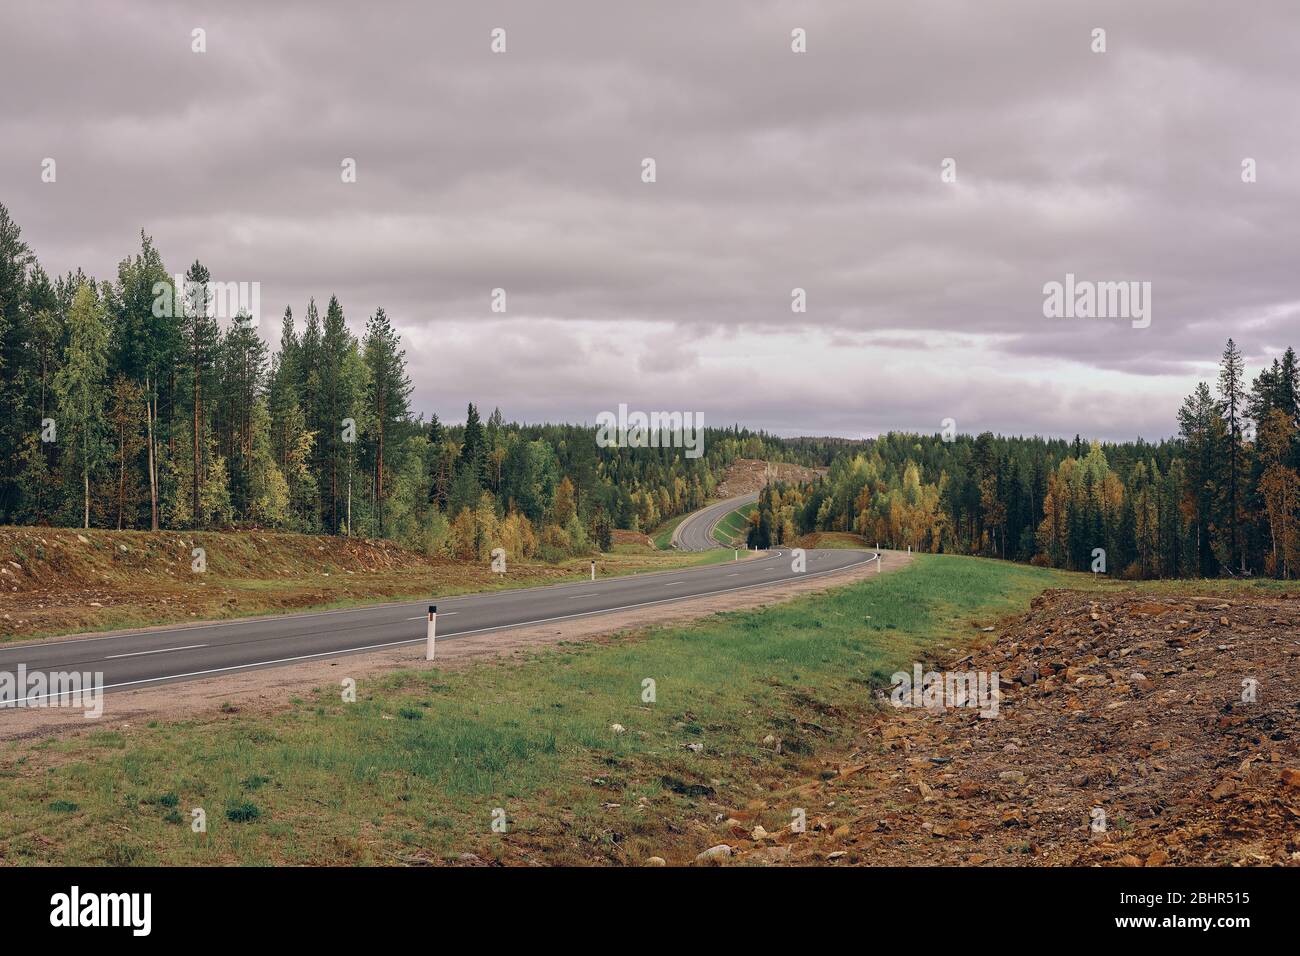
(116, 413)
(1220, 499)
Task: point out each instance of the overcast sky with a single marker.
(775, 170)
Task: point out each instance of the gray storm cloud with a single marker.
(775, 170)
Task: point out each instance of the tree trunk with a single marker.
(121, 474)
(194, 513)
(150, 410)
(379, 480)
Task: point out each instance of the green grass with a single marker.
(1205, 587)
(663, 535)
(423, 758)
(733, 529)
(840, 540)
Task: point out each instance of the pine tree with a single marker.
(1204, 434)
(387, 396)
(472, 450)
(337, 402)
(1231, 407)
(201, 336)
(309, 396)
(15, 261)
(243, 374)
(146, 343)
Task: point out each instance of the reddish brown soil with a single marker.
(748, 475)
(631, 537)
(1129, 705)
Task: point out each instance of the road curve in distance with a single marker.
(695, 533)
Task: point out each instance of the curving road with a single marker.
(695, 533)
(137, 658)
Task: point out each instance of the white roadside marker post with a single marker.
(736, 556)
(880, 560)
(432, 633)
(593, 569)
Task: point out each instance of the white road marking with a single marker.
(419, 640)
(425, 615)
(669, 584)
(161, 650)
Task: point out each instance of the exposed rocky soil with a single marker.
(618, 536)
(1132, 706)
(748, 475)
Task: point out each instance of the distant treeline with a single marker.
(1223, 498)
(116, 413)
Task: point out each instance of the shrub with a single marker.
(242, 812)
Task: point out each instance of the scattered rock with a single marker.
(715, 854)
(1200, 776)
(768, 856)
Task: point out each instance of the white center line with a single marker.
(669, 584)
(425, 617)
(417, 640)
(161, 650)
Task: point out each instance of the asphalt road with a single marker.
(138, 658)
(695, 533)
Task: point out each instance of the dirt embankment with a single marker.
(748, 475)
(618, 536)
(1131, 731)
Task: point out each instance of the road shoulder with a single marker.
(270, 689)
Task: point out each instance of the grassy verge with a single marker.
(732, 530)
(663, 535)
(1207, 588)
(835, 540)
(415, 769)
